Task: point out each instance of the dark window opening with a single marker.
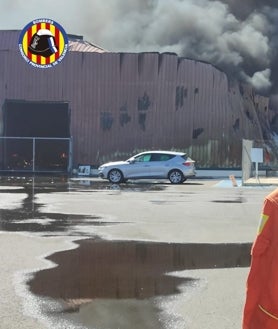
(36, 119)
(37, 136)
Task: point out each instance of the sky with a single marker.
(238, 36)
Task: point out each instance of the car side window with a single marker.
(165, 157)
(144, 158)
(161, 157)
(156, 157)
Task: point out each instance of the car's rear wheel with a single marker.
(176, 176)
(115, 176)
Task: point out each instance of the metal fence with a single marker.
(35, 154)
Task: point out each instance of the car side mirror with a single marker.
(131, 161)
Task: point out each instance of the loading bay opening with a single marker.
(36, 137)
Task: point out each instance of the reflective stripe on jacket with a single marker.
(261, 305)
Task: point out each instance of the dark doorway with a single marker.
(36, 136)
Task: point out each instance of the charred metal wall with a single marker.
(126, 102)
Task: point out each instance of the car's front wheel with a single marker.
(115, 176)
(176, 176)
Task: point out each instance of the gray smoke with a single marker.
(238, 36)
(234, 35)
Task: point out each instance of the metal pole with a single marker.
(70, 155)
(34, 154)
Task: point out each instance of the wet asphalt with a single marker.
(119, 254)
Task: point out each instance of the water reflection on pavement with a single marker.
(28, 216)
(106, 270)
(128, 271)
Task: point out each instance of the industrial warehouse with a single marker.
(97, 106)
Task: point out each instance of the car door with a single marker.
(140, 167)
(160, 165)
(150, 165)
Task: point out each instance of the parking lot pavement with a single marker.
(21, 255)
(199, 211)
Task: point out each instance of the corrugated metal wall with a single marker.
(125, 102)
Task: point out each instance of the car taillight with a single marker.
(187, 164)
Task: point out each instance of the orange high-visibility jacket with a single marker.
(261, 305)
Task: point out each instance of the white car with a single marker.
(175, 166)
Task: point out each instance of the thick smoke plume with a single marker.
(238, 36)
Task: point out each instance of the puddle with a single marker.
(65, 183)
(27, 217)
(128, 270)
(117, 278)
(130, 186)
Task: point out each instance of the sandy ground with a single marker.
(189, 213)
